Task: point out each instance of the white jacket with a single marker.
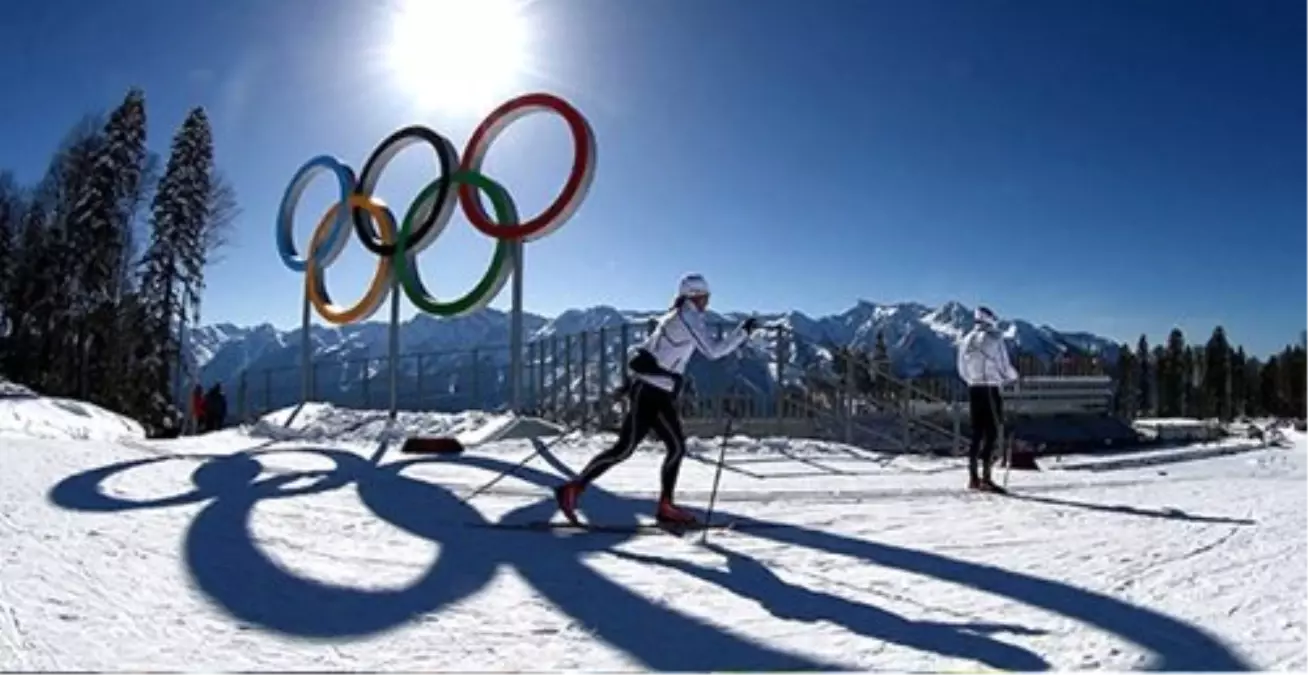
(678, 335)
(983, 360)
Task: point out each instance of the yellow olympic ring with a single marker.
(383, 280)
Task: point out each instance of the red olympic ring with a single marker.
(579, 177)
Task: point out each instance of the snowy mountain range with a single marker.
(470, 352)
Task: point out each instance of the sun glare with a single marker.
(458, 55)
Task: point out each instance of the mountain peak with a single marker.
(920, 339)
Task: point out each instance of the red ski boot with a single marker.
(668, 514)
(566, 495)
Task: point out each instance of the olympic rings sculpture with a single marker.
(429, 213)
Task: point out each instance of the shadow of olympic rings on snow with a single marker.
(227, 564)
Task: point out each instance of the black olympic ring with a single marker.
(442, 205)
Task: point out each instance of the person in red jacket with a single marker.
(197, 409)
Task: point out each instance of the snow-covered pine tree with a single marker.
(158, 294)
(26, 284)
(99, 227)
(11, 218)
(197, 195)
(172, 274)
(100, 216)
(42, 290)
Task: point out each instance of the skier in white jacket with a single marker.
(656, 373)
(984, 365)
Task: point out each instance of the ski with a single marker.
(636, 528)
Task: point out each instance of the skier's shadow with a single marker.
(749, 578)
(1174, 644)
(1126, 510)
(658, 637)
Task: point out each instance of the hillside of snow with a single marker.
(239, 551)
(24, 413)
(465, 358)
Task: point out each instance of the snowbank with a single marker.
(13, 390)
(25, 413)
(326, 422)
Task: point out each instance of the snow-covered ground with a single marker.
(324, 421)
(24, 413)
(318, 549)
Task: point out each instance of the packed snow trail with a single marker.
(230, 552)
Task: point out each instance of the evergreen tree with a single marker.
(854, 368)
(1269, 388)
(1159, 359)
(1171, 376)
(1253, 373)
(880, 354)
(100, 219)
(195, 194)
(187, 220)
(11, 218)
(1217, 375)
(1147, 391)
(1292, 374)
(99, 228)
(880, 366)
(42, 293)
(1239, 383)
(75, 319)
(1126, 403)
(1192, 403)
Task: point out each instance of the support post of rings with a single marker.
(515, 332)
(393, 349)
(459, 180)
(306, 358)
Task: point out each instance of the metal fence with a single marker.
(779, 383)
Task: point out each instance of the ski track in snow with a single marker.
(888, 565)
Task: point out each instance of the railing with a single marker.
(779, 383)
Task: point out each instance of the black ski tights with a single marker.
(986, 406)
(652, 409)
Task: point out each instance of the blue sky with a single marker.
(1112, 166)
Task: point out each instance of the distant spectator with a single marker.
(197, 410)
(984, 365)
(215, 408)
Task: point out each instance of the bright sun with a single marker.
(458, 55)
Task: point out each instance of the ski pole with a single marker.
(514, 469)
(1008, 455)
(1008, 448)
(717, 476)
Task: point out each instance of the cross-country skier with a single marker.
(983, 364)
(656, 374)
